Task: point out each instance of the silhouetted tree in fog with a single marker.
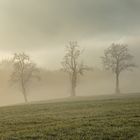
(72, 65)
(118, 59)
(24, 72)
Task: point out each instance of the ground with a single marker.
(81, 118)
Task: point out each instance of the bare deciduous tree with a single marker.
(23, 73)
(72, 65)
(118, 59)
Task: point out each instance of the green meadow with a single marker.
(80, 118)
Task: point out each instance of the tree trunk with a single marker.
(117, 84)
(24, 94)
(73, 91)
(73, 84)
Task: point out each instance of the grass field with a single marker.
(83, 118)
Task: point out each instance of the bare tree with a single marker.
(23, 73)
(72, 65)
(118, 59)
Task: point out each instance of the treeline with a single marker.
(22, 72)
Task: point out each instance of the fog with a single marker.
(42, 29)
(56, 84)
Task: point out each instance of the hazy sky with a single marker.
(42, 28)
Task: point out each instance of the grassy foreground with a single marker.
(87, 118)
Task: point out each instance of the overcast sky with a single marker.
(42, 28)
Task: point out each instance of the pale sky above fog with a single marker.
(42, 28)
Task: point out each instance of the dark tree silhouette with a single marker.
(24, 72)
(118, 59)
(72, 65)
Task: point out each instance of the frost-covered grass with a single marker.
(75, 119)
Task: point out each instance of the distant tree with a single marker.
(6, 64)
(118, 59)
(6, 67)
(24, 72)
(72, 65)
